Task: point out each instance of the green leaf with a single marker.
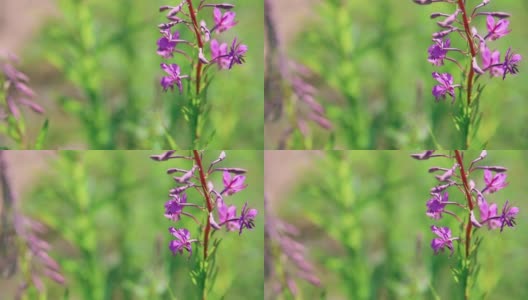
(42, 135)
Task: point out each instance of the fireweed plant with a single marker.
(475, 59)
(285, 258)
(458, 195)
(208, 210)
(202, 53)
(283, 73)
(14, 94)
(21, 247)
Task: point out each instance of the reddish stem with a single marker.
(198, 161)
(200, 44)
(463, 175)
(472, 49)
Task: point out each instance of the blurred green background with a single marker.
(104, 52)
(362, 215)
(375, 80)
(105, 211)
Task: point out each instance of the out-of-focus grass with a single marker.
(375, 56)
(105, 210)
(128, 71)
(363, 214)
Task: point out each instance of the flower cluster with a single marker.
(225, 55)
(195, 178)
(483, 60)
(459, 177)
(18, 91)
(282, 71)
(291, 253)
(18, 229)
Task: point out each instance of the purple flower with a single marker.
(491, 61)
(227, 215)
(488, 213)
(443, 240)
(225, 21)
(219, 54)
(167, 43)
(18, 91)
(445, 87)
(236, 53)
(494, 182)
(233, 185)
(438, 51)
(496, 30)
(436, 205)
(181, 242)
(510, 63)
(247, 216)
(174, 207)
(508, 215)
(174, 77)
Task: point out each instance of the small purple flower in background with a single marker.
(494, 182)
(291, 255)
(494, 179)
(282, 71)
(444, 239)
(182, 242)
(18, 91)
(20, 237)
(234, 184)
(224, 19)
(196, 178)
(445, 87)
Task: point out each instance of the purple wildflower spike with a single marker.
(169, 42)
(181, 203)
